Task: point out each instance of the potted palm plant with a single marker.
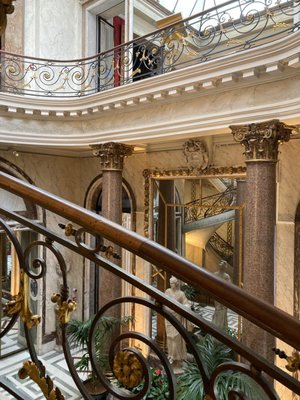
(78, 334)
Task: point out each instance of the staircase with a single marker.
(266, 316)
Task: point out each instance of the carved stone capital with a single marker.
(261, 140)
(6, 7)
(111, 155)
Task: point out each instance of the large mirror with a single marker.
(197, 214)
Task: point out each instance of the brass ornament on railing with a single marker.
(45, 383)
(20, 304)
(293, 361)
(64, 308)
(127, 369)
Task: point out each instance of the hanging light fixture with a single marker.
(6, 7)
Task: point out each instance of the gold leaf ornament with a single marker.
(127, 369)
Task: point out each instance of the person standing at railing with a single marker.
(177, 351)
(220, 315)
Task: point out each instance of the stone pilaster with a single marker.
(111, 156)
(6, 7)
(261, 143)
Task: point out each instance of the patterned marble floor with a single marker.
(54, 362)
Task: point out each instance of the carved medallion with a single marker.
(195, 154)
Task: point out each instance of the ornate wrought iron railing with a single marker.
(228, 28)
(264, 315)
(221, 247)
(208, 206)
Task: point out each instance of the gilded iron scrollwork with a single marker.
(65, 308)
(45, 383)
(20, 304)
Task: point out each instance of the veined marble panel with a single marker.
(288, 180)
(53, 29)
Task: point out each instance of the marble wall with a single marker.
(52, 29)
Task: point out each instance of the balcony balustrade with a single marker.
(228, 28)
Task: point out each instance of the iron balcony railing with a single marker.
(228, 28)
(123, 354)
(222, 248)
(209, 206)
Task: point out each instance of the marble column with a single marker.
(239, 232)
(261, 143)
(111, 157)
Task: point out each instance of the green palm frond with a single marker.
(213, 353)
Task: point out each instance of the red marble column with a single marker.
(261, 143)
(239, 234)
(111, 156)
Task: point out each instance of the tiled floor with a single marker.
(56, 366)
(53, 361)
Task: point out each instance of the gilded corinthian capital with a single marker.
(6, 7)
(111, 155)
(261, 140)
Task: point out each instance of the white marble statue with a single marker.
(220, 314)
(175, 343)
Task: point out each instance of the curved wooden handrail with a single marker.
(263, 314)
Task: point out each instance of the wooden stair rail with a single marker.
(263, 314)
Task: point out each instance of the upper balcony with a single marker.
(219, 32)
(230, 47)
